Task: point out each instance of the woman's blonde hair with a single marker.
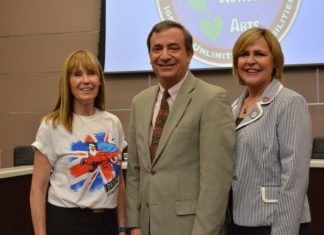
(249, 37)
(63, 111)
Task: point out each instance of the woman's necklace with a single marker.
(248, 103)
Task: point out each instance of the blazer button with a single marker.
(147, 205)
(153, 172)
(235, 177)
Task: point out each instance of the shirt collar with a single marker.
(173, 91)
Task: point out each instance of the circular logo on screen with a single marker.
(215, 25)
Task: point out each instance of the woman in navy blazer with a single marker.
(274, 143)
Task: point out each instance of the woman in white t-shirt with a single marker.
(78, 158)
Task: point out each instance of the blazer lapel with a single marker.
(257, 111)
(181, 103)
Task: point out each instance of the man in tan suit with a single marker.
(183, 188)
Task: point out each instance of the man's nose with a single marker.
(165, 54)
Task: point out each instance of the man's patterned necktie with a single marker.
(159, 123)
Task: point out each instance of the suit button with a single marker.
(153, 172)
(147, 205)
(235, 177)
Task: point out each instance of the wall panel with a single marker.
(28, 92)
(45, 53)
(48, 17)
(122, 88)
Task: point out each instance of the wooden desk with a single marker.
(14, 204)
(316, 196)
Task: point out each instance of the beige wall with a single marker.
(37, 35)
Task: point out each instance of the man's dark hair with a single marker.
(167, 24)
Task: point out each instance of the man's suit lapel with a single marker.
(181, 103)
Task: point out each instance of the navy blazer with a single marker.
(273, 151)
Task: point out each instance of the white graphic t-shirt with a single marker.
(86, 163)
